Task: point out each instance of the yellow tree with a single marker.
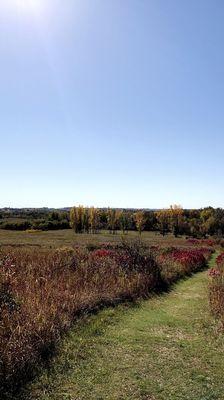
(86, 220)
(124, 221)
(162, 217)
(77, 218)
(94, 219)
(140, 220)
(176, 218)
(113, 217)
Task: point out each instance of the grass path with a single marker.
(164, 348)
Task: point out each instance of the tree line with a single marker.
(176, 220)
(21, 220)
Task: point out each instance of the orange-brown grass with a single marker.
(216, 288)
(41, 292)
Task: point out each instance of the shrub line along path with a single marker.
(167, 347)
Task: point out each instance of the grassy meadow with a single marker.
(50, 281)
(67, 237)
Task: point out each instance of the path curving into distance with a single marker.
(165, 348)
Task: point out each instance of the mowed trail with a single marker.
(167, 347)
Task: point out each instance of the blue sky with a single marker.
(111, 103)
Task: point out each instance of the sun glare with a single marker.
(31, 6)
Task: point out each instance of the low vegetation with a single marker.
(42, 292)
(216, 288)
(163, 348)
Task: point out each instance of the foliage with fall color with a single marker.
(175, 220)
(42, 292)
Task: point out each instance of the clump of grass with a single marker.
(216, 288)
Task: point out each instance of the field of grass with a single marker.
(165, 348)
(67, 237)
(43, 292)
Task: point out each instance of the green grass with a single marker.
(164, 348)
(67, 237)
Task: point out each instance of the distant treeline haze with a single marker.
(176, 220)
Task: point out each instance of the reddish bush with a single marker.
(214, 272)
(220, 260)
(203, 242)
(102, 253)
(177, 263)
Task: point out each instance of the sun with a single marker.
(31, 6)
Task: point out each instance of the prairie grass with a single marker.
(42, 292)
(67, 237)
(164, 348)
(216, 288)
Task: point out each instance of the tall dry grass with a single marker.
(216, 288)
(41, 293)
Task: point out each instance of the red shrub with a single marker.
(199, 242)
(220, 260)
(177, 263)
(102, 253)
